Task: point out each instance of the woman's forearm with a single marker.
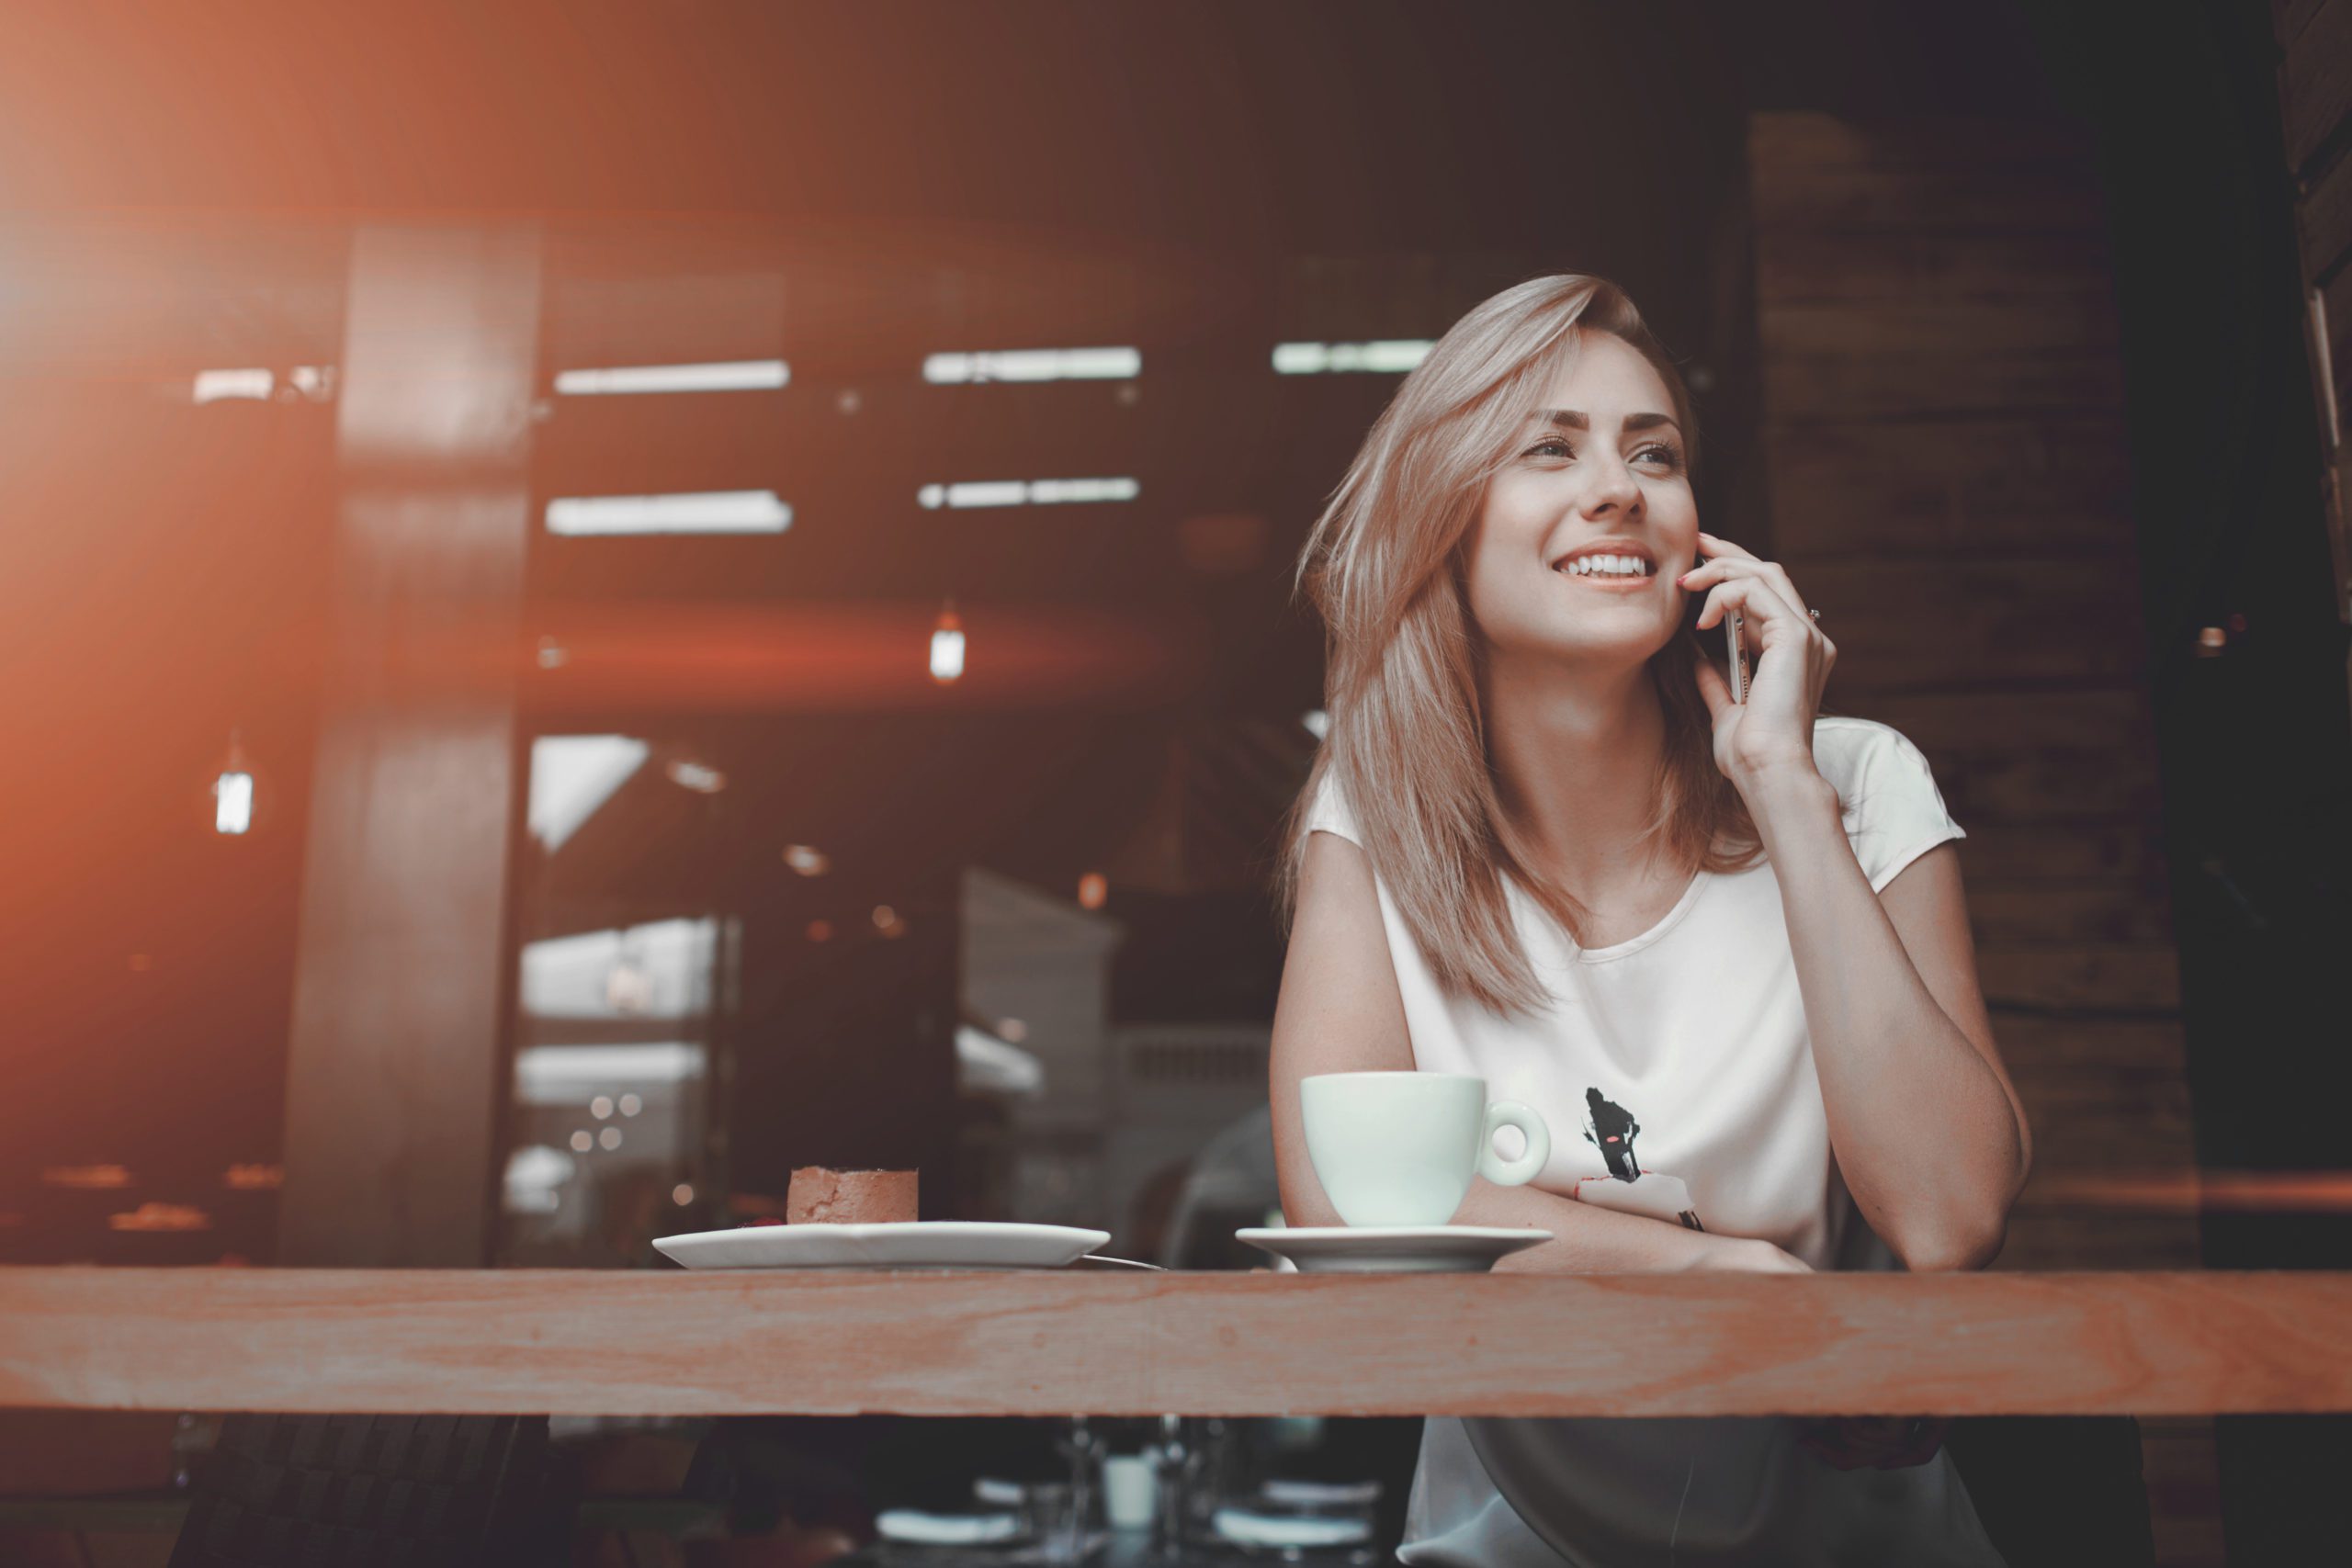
(1589, 1239)
(1924, 1133)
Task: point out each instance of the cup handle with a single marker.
(1514, 1172)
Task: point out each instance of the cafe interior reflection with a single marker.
(606, 604)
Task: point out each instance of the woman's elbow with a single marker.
(1956, 1247)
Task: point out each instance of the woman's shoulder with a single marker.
(1853, 753)
(1326, 807)
(1886, 794)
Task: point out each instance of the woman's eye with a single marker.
(1560, 446)
(1665, 454)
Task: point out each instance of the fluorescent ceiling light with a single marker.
(1035, 364)
(707, 511)
(573, 776)
(211, 386)
(728, 376)
(1386, 357)
(1030, 493)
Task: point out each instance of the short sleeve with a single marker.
(1327, 811)
(1894, 813)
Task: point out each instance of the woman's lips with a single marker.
(1612, 585)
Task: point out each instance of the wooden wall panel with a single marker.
(1950, 485)
(2315, 82)
(1982, 486)
(2326, 220)
(2314, 39)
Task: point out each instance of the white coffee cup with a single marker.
(1400, 1148)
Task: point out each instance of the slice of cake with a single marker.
(821, 1196)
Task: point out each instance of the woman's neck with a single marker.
(1578, 750)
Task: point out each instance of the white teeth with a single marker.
(1607, 566)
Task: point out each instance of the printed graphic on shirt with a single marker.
(1611, 1128)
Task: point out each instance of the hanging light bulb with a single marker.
(947, 646)
(233, 792)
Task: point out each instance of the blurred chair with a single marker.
(432, 1490)
(1231, 1185)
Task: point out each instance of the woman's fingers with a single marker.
(1724, 569)
(1762, 601)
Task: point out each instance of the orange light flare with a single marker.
(2192, 1192)
(817, 657)
(154, 1217)
(86, 1178)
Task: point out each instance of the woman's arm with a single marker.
(1589, 1239)
(1340, 1011)
(1929, 1132)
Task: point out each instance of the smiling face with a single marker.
(1599, 472)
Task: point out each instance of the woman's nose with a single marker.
(1612, 486)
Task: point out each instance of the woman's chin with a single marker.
(1596, 655)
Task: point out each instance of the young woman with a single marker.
(1724, 942)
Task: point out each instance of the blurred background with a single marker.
(601, 601)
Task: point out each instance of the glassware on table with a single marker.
(1218, 1498)
(1130, 1492)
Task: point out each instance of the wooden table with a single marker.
(642, 1343)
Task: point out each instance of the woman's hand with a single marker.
(1882, 1442)
(1771, 731)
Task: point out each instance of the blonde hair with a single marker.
(1406, 746)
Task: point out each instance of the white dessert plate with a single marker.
(1392, 1250)
(1247, 1528)
(901, 1244)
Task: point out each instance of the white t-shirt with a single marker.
(1676, 1073)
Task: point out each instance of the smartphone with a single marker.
(1737, 665)
(1731, 629)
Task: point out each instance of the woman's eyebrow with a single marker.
(1574, 419)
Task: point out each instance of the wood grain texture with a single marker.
(1936, 329)
(1975, 485)
(2113, 719)
(2058, 381)
(2290, 17)
(2315, 82)
(1974, 174)
(645, 1342)
(2116, 915)
(2087, 978)
(1911, 626)
(2323, 220)
(2056, 852)
(1795, 262)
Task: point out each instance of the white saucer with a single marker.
(1392, 1250)
(902, 1244)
